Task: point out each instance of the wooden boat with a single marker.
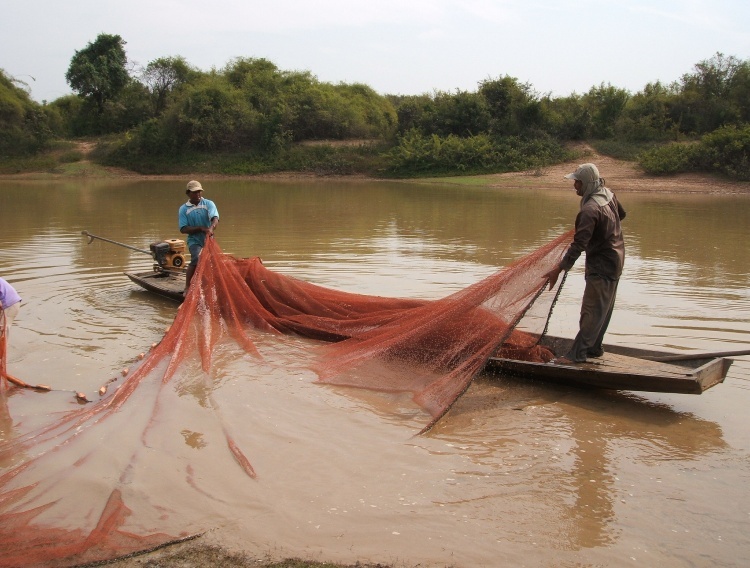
(166, 283)
(167, 278)
(624, 368)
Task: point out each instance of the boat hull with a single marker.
(167, 283)
(622, 368)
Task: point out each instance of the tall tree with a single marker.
(605, 103)
(461, 113)
(99, 70)
(710, 97)
(162, 76)
(513, 106)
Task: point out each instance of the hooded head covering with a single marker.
(593, 185)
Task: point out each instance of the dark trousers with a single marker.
(596, 311)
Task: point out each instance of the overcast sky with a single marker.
(395, 46)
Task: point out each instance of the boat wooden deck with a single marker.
(623, 368)
(169, 284)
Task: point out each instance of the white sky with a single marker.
(394, 46)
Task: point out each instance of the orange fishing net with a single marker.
(432, 349)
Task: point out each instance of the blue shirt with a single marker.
(197, 216)
(8, 294)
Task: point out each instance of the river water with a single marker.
(517, 474)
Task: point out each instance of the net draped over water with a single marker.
(432, 349)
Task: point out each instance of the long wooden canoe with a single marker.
(622, 368)
(167, 283)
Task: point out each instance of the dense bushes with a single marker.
(669, 159)
(727, 150)
(419, 154)
(25, 127)
(253, 106)
(724, 151)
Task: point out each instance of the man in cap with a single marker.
(599, 234)
(197, 218)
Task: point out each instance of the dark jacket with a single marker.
(598, 232)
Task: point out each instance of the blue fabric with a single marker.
(195, 252)
(197, 216)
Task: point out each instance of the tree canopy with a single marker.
(25, 127)
(100, 69)
(251, 106)
(164, 75)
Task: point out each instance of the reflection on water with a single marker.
(535, 473)
(567, 445)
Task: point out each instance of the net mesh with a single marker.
(429, 348)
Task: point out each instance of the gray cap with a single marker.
(585, 173)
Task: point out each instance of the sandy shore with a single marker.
(619, 175)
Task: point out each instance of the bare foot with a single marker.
(562, 361)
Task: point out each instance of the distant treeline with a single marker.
(250, 116)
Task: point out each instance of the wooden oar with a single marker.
(691, 356)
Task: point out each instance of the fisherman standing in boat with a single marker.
(197, 218)
(599, 234)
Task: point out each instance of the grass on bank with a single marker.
(95, 158)
(623, 149)
(422, 157)
(64, 158)
(334, 158)
(67, 159)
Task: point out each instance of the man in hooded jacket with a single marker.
(599, 234)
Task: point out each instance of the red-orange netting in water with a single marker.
(432, 349)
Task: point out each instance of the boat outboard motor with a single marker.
(169, 254)
(160, 250)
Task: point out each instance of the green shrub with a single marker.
(71, 156)
(24, 124)
(417, 154)
(727, 150)
(19, 164)
(669, 159)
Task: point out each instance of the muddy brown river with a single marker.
(518, 473)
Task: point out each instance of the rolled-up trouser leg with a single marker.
(10, 315)
(596, 311)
